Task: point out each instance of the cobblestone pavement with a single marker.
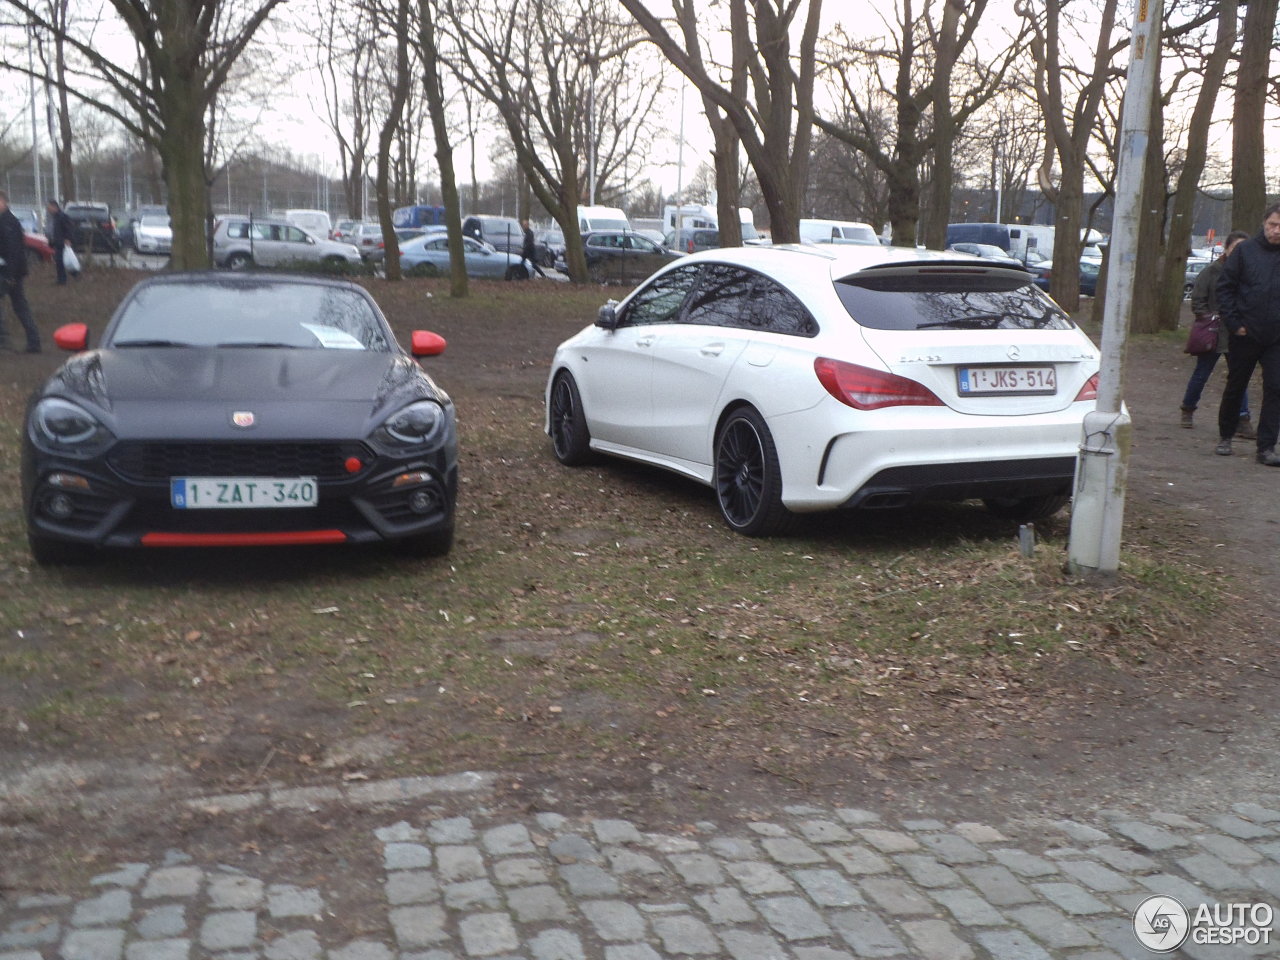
(808, 883)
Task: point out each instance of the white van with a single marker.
(602, 218)
(838, 231)
(315, 222)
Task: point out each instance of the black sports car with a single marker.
(240, 410)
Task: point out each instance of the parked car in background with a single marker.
(153, 234)
(987, 251)
(430, 254)
(126, 224)
(365, 237)
(549, 245)
(240, 242)
(342, 230)
(33, 237)
(403, 235)
(838, 231)
(92, 227)
(805, 378)
(621, 257)
(315, 222)
(239, 411)
(692, 240)
(1089, 271)
(1194, 266)
(501, 233)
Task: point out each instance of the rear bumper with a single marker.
(902, 486)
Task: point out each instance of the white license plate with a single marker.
(240, 493)
(974, 381)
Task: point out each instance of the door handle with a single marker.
(712, 349)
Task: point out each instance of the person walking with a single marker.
(13, 251)
(60, 229)
(1204, 304)
(1249, 304)
(529, 250)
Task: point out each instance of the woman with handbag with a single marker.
(1207, 340)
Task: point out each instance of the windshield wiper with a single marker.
(979, 321)
(150, 343)
(261, 346)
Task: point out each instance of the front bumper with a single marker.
(96, 503)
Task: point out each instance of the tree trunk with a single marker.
(728, 182)
(1151, 243)
(182, 159)
(1173, 269)
(1248, 171)
(1064, 286)
(429, 52)
(66, 167)
(386, 139)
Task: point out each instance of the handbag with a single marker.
(1203, 336)
(70, 262)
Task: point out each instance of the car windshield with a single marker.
(267, 314)
(154, 221)
(940, 297)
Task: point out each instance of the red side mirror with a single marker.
(427, 344)
(73, 337)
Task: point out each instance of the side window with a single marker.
(237, 231)
(723, 297)
(641, 244)
(778, 311)
(661, 299)
(261, 232)
(295, 235)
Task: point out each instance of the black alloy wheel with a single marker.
(747, 479)
(570, 438)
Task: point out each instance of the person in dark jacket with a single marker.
(529, 251)
(13, 251)
(1249, 304)
(1204, 303)
(60, 228)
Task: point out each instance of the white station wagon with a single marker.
(794, 379)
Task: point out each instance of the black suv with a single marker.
(92, 227)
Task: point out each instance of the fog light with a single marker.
(59, 506)
(422, 501)
(409, 479)
(68, 481)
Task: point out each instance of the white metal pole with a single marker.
(680, 167)
(35, 126)
(1097, 514)
(591, 126)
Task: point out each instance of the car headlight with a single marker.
(66, 427)
(416, 425)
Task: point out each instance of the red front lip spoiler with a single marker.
(276, 539)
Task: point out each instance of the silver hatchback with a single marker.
(240, 242)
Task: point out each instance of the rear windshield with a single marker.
(946, 298)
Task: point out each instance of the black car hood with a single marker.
(181, 392)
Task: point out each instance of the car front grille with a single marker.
(155, 462)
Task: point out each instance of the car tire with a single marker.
(518, 272)
(548, 259)
(597, 272)
(746, 476)
(55, 553)
(570, 436)
(437, 543)
(333, 265)
(239, 261)
(1027, 509)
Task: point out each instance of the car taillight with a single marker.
(1090, 389)
(867, 389)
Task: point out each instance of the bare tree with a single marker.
(398, 81)
(919, 72)
(188, 48)
(774, 122)
(537, 66)
(346, 48)
(1069, 93)
(433, 86)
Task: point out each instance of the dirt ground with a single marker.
(1188, 731)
